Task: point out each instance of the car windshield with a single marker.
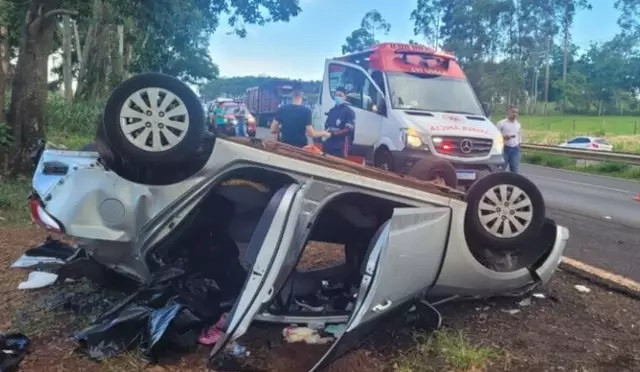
(432, 93)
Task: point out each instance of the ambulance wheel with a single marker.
(505, 211)
(384, 160)
(435, 170)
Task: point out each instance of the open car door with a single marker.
(401, 264)
(262, 261)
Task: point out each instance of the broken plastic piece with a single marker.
(51, 248)
(26, 262)
(38, 279)
(510, 311)
(336, 329)
(582, 288)
(525, 302)
(13, 348)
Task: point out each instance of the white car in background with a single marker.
(588, 143)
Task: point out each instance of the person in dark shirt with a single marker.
(293, 123)
(341, 124)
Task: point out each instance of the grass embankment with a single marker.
(622, 131)
(619, 170)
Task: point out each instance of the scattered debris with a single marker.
(582, 288)
(485, 308)
(238, 350)
(38, 279)
(28, 262)
(304, 334)
(510, 311)
(539, 295)
(336, 329)
(525, 302)
(50, 254)
(13, 349)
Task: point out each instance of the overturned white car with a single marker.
(161, 185)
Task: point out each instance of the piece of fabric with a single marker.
(511, 129)
(512, 158)
(293, 120)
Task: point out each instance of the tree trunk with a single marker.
(4, 70)
(547, 72)
(76, 36)
(93, 78)
(29, 88)
(66, 66)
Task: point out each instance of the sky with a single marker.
(298, 49)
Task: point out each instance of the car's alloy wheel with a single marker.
(154, 119)
(505, 211)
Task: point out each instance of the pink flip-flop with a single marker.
(212, 335)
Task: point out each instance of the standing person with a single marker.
(341, 124)
(511, 132)
(292, 123)
(219, 115)
(241, 126)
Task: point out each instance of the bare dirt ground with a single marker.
(565, 331)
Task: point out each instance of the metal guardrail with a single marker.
(620, 157)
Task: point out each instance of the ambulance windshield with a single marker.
(411, 91)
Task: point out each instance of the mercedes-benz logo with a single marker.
(466, 146)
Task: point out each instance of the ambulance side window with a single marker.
(351, 80)
(361, 93)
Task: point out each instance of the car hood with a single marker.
(438, 123)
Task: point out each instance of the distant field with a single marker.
(622, 131)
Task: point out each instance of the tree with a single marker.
(29, 86)
(365, 36)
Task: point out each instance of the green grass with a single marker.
(72, 124)
(13, 201)
(622, 131)
(451, 348)
(611, 169)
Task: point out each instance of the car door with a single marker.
(265, 254)
(403, 262)
(363, 94)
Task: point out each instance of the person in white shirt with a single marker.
(511, 132)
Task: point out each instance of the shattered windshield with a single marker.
(432, 93)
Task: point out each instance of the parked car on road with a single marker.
(588, 143)
(157, 185)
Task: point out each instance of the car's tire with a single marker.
(384, 160)
(429, 169)
(504, 211)
(167, 131)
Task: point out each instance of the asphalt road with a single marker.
(600, 213)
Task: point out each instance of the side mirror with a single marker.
(486, 107)
(381, 107)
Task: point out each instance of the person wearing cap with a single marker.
(340, 124)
